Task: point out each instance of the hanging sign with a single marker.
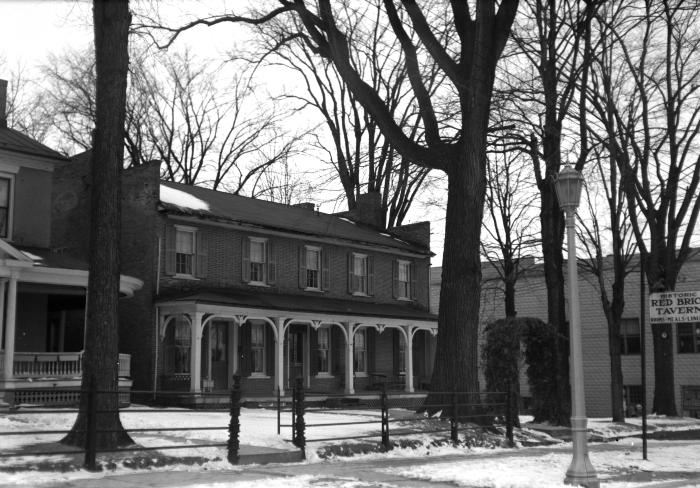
(674, 307)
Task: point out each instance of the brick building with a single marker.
(531, 301)
(42, 288)
(235, 285)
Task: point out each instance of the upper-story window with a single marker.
(259, 265)
(688, 338)
(404, 279)
(630, 341)
(314, 263)
(185, 252)
(360, 274)
(5, 203)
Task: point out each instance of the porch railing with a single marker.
(57, 365)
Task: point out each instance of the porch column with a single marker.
(9, 360)
(196, 349)
(279, 354)
(349, 357)
(409, 359)
(3, 287)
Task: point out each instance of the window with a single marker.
(313, 268)
(402, 354)
(689, 338)
(257, 340)
(632, 398)
(630, 342)
(360, 274)
(184, 251)
(323, 353)
(5, 199)
(257, 261)
(360, 352)
(177, 347)
(259, 266)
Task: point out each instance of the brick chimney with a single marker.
(417, 233)
(3, 103)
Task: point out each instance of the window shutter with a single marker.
(271, 263)
(325, 269)
(395, 278)
(351, 276)
(412, 272)
(170, 238)
(370, 275)
(397, 345)
(269, 351)
(202, 251)
(313, 354)
(245, 354)
(245, 259)
(302, 267)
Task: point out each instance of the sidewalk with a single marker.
(387, 472)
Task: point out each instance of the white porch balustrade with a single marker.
(56, 365)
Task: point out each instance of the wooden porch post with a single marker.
(196, 352)
(279, 354)
(409, 359)
(10, 328)
(349, 357)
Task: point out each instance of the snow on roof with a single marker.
(173, 196)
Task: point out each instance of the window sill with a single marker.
(404, 299)
(359, 294)
(185, 277)
(259, 376)
(313, 290)
(258, 283)
(324, 376)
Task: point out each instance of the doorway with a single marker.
(215, 355)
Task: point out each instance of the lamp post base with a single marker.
(581, 472)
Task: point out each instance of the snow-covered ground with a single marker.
(491, 465)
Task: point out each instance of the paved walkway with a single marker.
(357, 473)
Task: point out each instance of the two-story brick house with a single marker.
(273, 292)
(42, 289)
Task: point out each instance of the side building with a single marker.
(531, 301)
(271, 292)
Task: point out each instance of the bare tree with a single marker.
(361, 157)
(550, 61)
(468, 63)
(652, 108)
(101, 359)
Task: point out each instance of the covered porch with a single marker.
(42, 325)
(334, 346)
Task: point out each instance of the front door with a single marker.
(295, 355)
(218, 352)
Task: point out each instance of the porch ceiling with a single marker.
(300, 307)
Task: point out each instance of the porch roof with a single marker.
(299, 303)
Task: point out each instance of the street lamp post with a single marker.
(581, 472)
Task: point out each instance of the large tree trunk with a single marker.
(101, 359)
(616, 380)
(456, 362)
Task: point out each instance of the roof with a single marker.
(300, 303)
(177, 198)
(15, 141)
(51, 259)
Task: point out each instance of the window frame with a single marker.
(361, 285)
(318, 270)
(405, 293)
(693, 336)
(258, 348)
(10, 204)
(252, 240)
(321, 372)
(193, 255)
(362, 332)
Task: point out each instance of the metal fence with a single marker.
(455, 408)
(90, 410)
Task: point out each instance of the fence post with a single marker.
(234, 426)
(300, 425)
(91, 425)
(385, 419)
(509, 416)
(454, 434)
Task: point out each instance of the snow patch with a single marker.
(181, 199)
